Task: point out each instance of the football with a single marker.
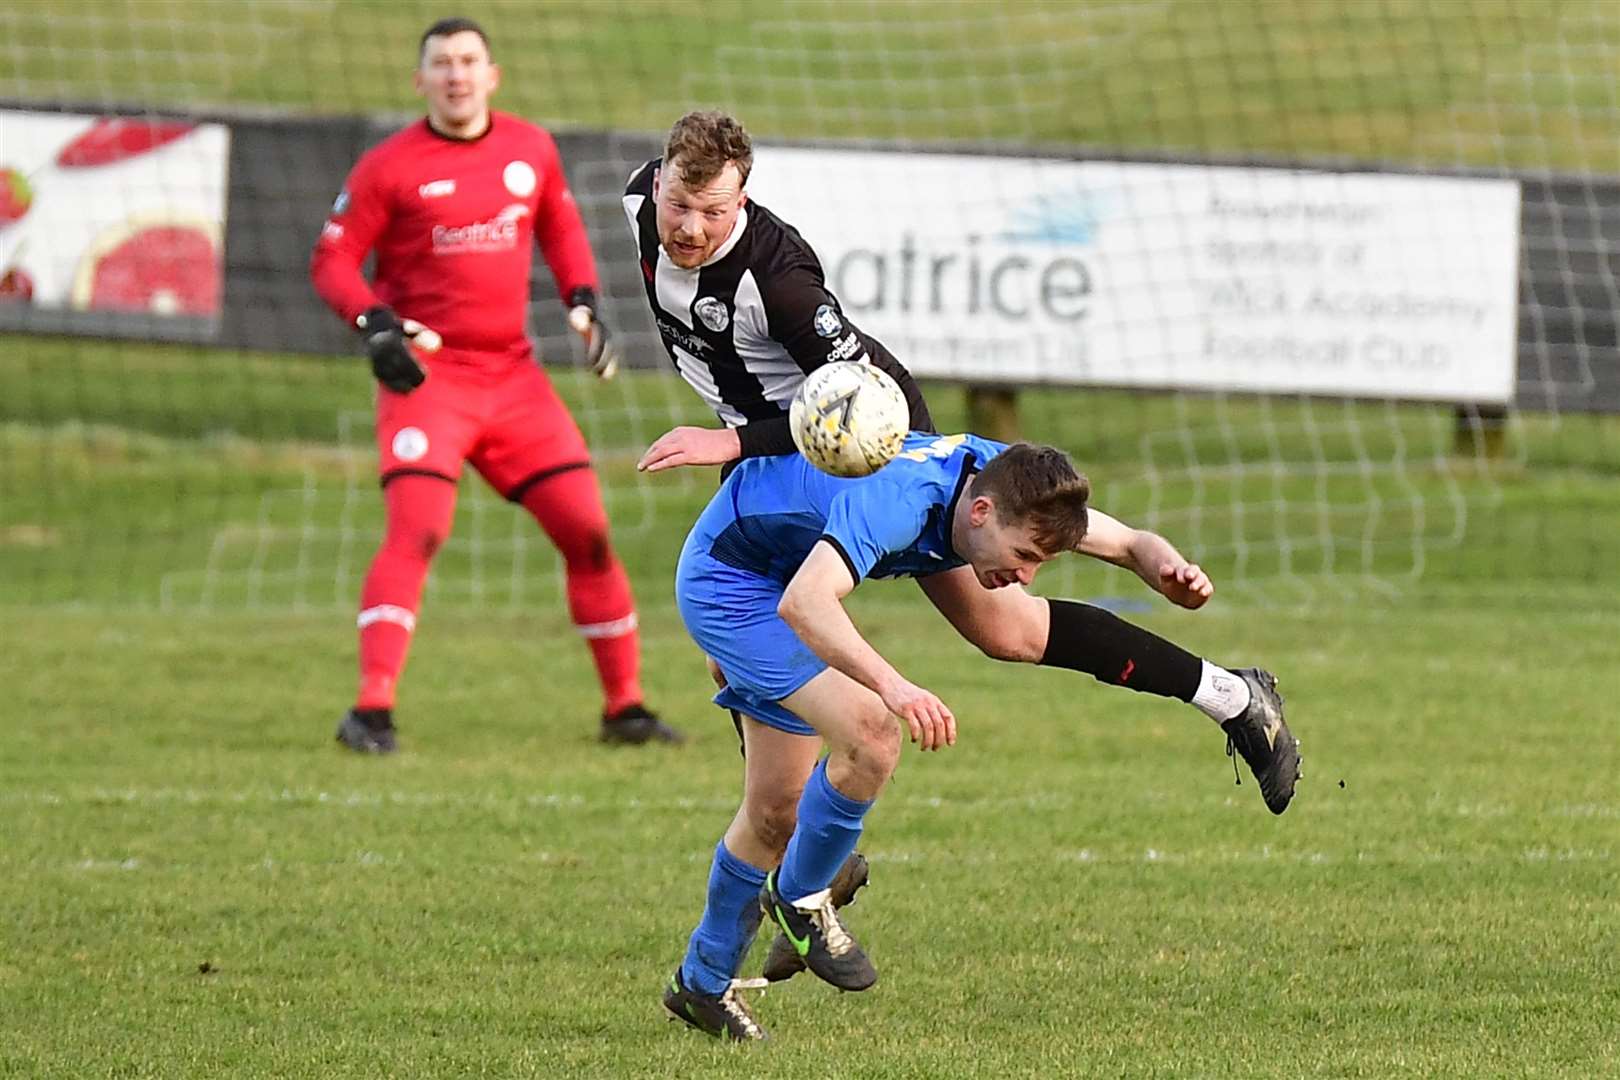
(849, 418)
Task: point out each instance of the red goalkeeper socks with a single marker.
(420, 509)
(569, 508)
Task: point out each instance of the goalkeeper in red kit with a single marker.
(453, 207)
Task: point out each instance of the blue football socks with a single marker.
(829, 827)
(730, 920)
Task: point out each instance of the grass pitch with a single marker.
(198, 881)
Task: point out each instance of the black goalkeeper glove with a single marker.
(388, 343)
(600, 352)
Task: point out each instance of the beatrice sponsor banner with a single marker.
(119, 218)
(1175, 276)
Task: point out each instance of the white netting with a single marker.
(1288, 492)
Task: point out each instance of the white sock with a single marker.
(1221, 695)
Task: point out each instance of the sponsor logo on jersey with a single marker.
(844, 348)
(827, 322)
(437, 189)
(499, 233)
(410, 443)
(341, 203)
(711, 311)
(518, 176)
(676, 335)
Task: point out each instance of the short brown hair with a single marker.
(705, 142)
(447, 27)
(1038, 485)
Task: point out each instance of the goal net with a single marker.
(1324, 292)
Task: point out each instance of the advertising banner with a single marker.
(111, 224)
(1027, 270)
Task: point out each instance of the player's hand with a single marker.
(600, 353)
(1186, 584)
(388, 343)
(691, 446)
(931, 723)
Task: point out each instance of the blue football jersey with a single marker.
(895, 523)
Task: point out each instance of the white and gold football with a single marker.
(849, 418)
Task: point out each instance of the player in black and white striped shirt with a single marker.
(742, 307)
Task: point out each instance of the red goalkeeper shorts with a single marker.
(505, 418)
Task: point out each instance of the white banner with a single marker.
(112, 214)
(1173, 276)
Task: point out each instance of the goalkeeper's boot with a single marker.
(812, 928)
(783, 961)
(1261, 736)
(368, 731)
(637, 724)
(725, 1016)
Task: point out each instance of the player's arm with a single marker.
(813, 606)
(566, 247)
(792, 297)
(1148, 555)
(794, 300)
(806, 320)
(691, 445)
(358, 217)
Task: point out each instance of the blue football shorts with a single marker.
(731, 614)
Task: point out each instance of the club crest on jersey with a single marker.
(827, 322)
(341, 203)
(410, 443)
(518, 176)
(711, 312)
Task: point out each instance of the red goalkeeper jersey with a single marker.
(453, 223)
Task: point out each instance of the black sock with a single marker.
(1087, 638)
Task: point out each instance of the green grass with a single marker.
(196, 883)
(1075, 889)
(1483, 82)
(189, 479)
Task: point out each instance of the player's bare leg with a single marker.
(1005, 624)
(775, 769)
(1010, 624)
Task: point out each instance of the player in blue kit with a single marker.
(760, 586)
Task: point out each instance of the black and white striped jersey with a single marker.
(745, 327)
